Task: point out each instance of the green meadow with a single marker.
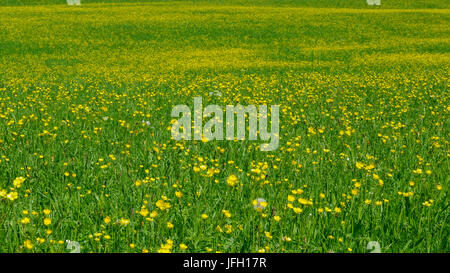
(86, 152)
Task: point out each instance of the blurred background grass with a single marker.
(130, 39)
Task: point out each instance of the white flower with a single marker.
(261, 203)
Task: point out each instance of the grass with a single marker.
(85, 100)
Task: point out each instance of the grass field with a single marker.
(86, 152)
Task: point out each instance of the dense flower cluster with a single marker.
(86, 153)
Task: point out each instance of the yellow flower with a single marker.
(226, 213)
(124, 221)
(162, 205)
(153, 214)
(47, 221)
(12, 195)
(232, 180)
(183, 246)
(164, 250)
(25, 220)
(18, 182)
(169, 225)
(144, 212)
(277, 218)
(297, 210)
(291, 198)
(304, 202)
(107, 220)
(28, 244)
(46, 211)
(259, 204)
(204, 216)
(359, 165)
